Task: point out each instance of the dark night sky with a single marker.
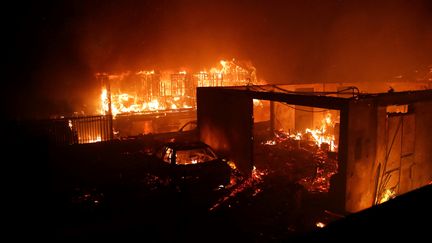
(54, 48)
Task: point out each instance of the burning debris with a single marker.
(320, 225)
(241, 185)
(323, 136)
(309, 158)
(87, 197)
(387, 195)
(303, 160)
(325, 168)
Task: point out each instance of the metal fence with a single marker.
(89, 129)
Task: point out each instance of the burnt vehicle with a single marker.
(192, 164)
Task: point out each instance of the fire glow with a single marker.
(151, 91)
(387, 195)
(240, 184)
(320, 136)
(314, 151)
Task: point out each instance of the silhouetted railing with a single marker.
(89, 129)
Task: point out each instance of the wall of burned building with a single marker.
(422, 169)
(395, 153)
(361, 151)
(225, 123)
(388, 153)
(404, 150)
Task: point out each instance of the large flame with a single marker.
(147, 91)
(322, 135)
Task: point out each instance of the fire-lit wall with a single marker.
(422, 169)
(361, 155)
(225, 123)
(388, 153)
(384, 139)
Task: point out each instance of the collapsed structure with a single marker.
(381, 141)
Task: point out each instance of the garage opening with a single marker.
(298, 142)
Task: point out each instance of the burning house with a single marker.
(154, 102)
(144, 102)
(363, 148)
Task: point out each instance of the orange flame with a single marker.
(322, 134)
(387, 195)
(319, 135)
(168, 91)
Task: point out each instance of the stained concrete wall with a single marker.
(225, 123)
(422, 169)
(404, 143)
(361, 152)
(378, 144)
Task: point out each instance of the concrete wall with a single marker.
(422, 169)
(398, 147)
(404, 143)
(225, 123)
(361, 152)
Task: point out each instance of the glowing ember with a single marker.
(320, 136)
(296, 136)
(240, 184)
(387, 195)
(325, 169)
(257, 174)
(270, 142)
(232, 165)
(312, 151)
(94, 140)
(320, 225)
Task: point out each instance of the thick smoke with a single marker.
(56, 48)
